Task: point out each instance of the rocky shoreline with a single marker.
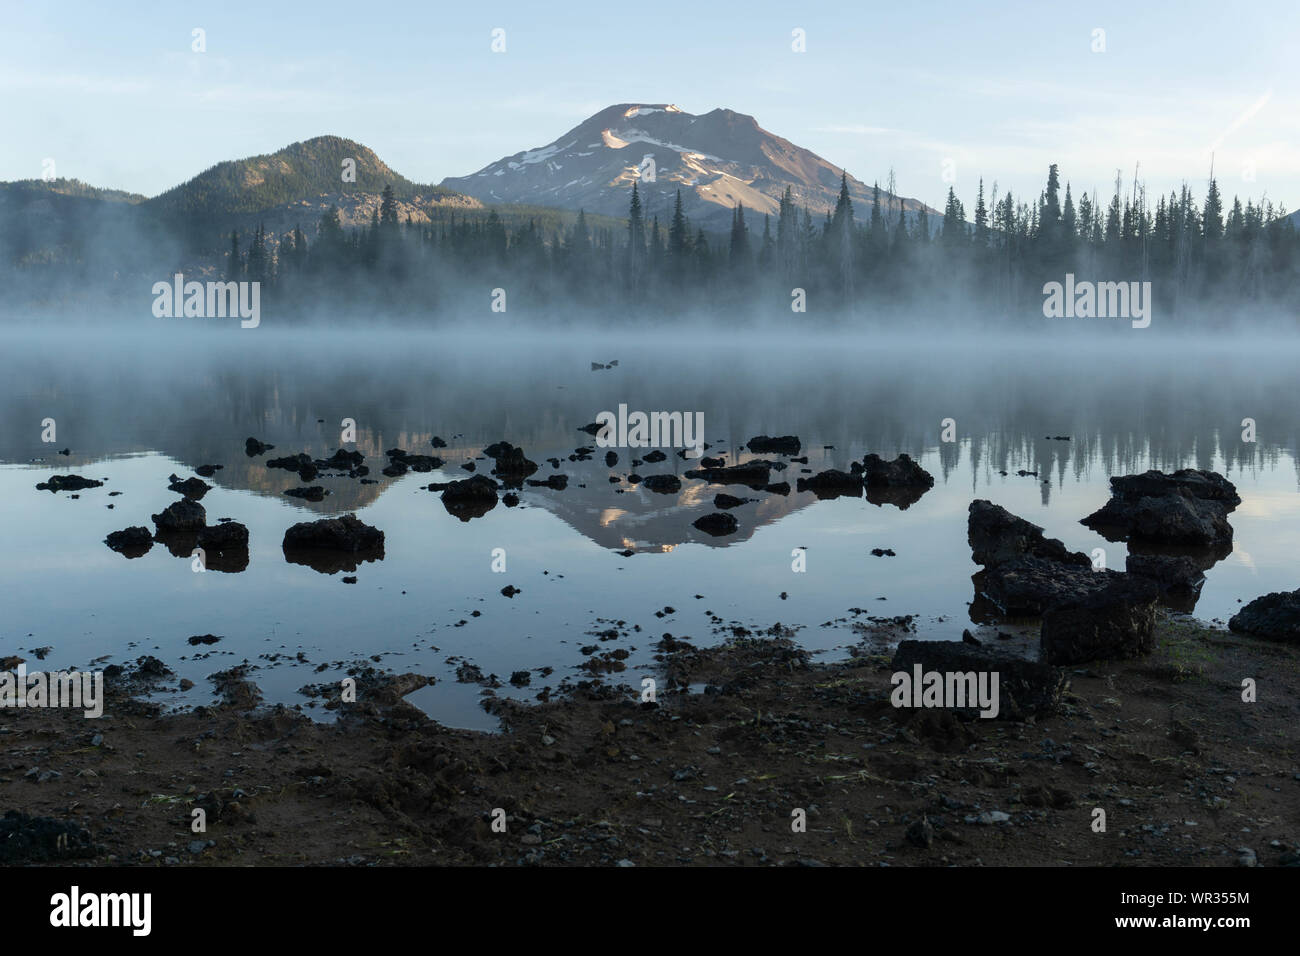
(1187, 773)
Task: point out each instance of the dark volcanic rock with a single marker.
(832, 484)
(1171, 572)
(512, 467)
(1178, 518)
(722, 500)
(778, 488)
(763, 445)
(132, 542)
(556, 482)
(1188, 507)
(25, 839)
(1113, 623)
(663, 484)
(253, 447)
(400, 461)
(311, 493)
(194, 488)
(1026, 587)
(207, 471)
(437, 442)
(1274, 616)
(67, 483)
(302, 463)
(224, 536)
(1202, 485)
(902, 472)
(346, 533)
(1025, 688)
(718, 523)
(470, 498)
(755, 474)
(611, 459)
(183, 515)
(654, 457)
(996, 535)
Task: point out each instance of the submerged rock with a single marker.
(717, 524)
(784, 445)
(58, 483)
(511, 465)
(194, 488)
(228, 535)
(662, 484)
(832, 484)
(400, 461)
(311, 493)
(902, 472)
(346, 533)
(183, 515)
(470, 498)
(1273, 616)
(132, 542)
(755, 474)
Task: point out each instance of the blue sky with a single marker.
(940, 92)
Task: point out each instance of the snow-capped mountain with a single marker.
(718, 160)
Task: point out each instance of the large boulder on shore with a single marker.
(346, 533)
(1025, 687)
(1188, 507)
(1116, 621)
(1273, 616)
(997, 536)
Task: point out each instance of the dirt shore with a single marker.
(1186, 772)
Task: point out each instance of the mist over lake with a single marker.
(133, 408)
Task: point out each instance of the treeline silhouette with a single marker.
(1203, 253)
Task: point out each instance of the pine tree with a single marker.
(981, 219)
(234, 267)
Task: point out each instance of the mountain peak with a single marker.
(718, 160)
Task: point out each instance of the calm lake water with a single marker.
(133, 410)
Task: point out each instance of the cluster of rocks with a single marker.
(1087, 613)
(900, 482)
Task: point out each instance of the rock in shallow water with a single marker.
(1273, 616)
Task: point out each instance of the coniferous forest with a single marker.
(1196, 251)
